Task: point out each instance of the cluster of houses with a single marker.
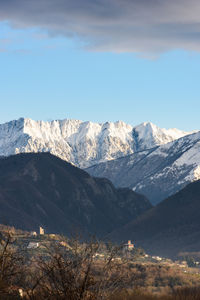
(33, 245)
(41, 231)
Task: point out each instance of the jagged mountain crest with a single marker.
(158, 172)
(82, 143)
(150, 134)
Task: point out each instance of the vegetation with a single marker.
(68, 269)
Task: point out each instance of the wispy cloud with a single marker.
(142, 26)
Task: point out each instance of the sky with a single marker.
(101, 60)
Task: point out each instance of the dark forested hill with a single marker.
(171, 227)
(41, 189)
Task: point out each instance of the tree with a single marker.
(76, 272)
(11, 268)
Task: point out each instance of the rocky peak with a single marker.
(82, 143)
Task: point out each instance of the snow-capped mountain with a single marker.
(156, 173)
(82, 143)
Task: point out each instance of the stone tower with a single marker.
(41, 231)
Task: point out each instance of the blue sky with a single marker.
(54, 76)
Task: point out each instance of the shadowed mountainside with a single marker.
(41, 189)
(170, 227)
(157, 173)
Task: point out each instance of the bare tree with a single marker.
(11, 268)
(76, 272)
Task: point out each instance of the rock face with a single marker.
(158, 172)
(82, 143)
(43, 190)
(171, 227)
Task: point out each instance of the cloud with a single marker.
(141, 26)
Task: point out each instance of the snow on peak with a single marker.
(82, 143)
(150, 135)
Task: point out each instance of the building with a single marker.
(32, 245)
(52, 235)
(21, 293)
(33, 233)
(41, 231)
(129, 246)
(64, 244)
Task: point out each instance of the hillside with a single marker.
(158, 172)
(41, 189)
(171, 227)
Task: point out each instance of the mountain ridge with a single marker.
(82, 143)
(158, 172)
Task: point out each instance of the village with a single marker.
(37, 243)
(39, 249)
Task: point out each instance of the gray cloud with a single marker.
(142, 26)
